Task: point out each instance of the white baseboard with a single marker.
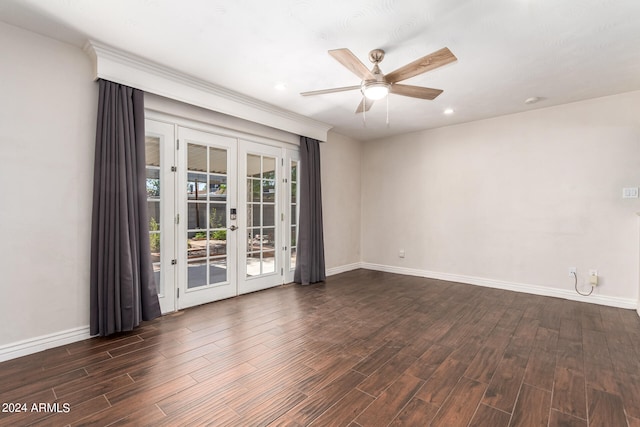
(508, 286)
(44, 342)
(343, 268)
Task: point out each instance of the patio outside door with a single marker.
(260, 218)
(207, 245)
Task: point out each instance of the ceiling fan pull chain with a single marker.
(387, 111)
(364, 111)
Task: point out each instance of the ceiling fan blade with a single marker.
(322, 91)
(349, 60)
(415, 91)
(433, 60)
(365, 105)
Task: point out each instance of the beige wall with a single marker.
(340, 167)
(47, 117)
(512, 200)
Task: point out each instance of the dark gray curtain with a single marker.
(310, 256)
(123, 291)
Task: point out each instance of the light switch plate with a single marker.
(630, 193)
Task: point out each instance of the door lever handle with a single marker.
(233, 228)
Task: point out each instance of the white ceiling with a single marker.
(508, 50)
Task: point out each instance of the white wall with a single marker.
(340, 159)
(47, 118)
(512, 201)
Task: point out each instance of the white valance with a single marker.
(127, 69)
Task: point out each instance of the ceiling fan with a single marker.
(376, 85)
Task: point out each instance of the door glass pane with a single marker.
(269, 190)
(268, 262)
(253, 215)
(154, 247)
(197, 213)
(252, 244)
(197, 186)
(293, 258)
(153, 182)
(261, 215)
(153, 210)
(217, 188)
(207, 215)
(269, 167)
(217, 160)
(152, 151)
(294, 192)
(253, 190)
(218, 243)
(253, 264)
(196, 158)
(218, 270)
(196, 244)
(217, 215)
(152, 159)
(253, 166)
(268, 238)
(268, 215)
(196, 273)
(293, 214)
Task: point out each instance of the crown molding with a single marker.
(122, 67)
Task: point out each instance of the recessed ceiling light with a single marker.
(448, 111)
(532, 100)
(280, 86)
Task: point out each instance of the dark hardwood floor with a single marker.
(365, 349)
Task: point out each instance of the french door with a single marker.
(292, 204)
(161, 187)
(224, 212)
(261, 259)
(207, 188)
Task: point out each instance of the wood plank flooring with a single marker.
(364, 349)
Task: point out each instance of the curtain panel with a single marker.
(123, 290)
(310, 267)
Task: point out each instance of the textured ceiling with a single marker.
(508, 50)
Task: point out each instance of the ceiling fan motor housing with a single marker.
(378, 87)
(376, 56)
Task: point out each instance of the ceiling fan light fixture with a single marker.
(375, 90)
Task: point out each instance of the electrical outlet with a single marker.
(572, 271)
(401, 253)
(593, 277)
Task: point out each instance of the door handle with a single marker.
(233, 228)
